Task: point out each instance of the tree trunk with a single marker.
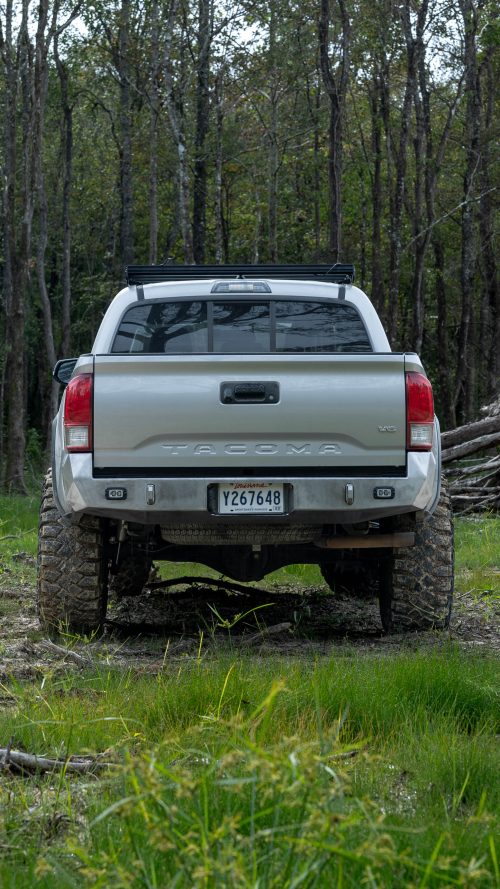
(8, 204)
(336, 89)
(447, 414)
(176, 118)
(462, 394)
(127, 236)
(257, 226)
(377, 293)
(66, 218)
(273, 164)
(50, 390)
(153, 137)
(16, 385)
(317, 176)
(272, 138)
(219, 224)
(398, 192)
(490, 327)
(205, 11)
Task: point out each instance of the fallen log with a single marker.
(477, 496)
(470, 431)
(470, 447)
(479, 506)
(29, 762)
(492, 463)
(476, 487)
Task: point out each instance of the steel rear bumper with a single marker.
(321, 500)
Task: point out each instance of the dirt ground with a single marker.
(164, 627)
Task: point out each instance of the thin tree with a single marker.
(464, 378)
(336, 83)
(204, 43)
(174, 101)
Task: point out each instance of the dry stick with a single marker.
(462, 484)
(67, 653)
(488, 501)
(229, 586)
(31, 763)
(265, 632)
(492, 463)
(473, 493)
(478, 497)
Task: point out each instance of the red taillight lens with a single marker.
(419, 412)
(78, 413)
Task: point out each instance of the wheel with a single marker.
(348, 579)
(72, 572)
(416, 589)
(131, 576)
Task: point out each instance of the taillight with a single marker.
(78, 413)
(419, 412)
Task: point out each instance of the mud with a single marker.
(164, 627)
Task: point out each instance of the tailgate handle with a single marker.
(249, 393)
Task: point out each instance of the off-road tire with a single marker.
(72, 572)
(416, 589)
(131, 577)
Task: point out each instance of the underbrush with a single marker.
(241, 772)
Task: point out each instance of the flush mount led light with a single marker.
(384, 493)
(115, 493)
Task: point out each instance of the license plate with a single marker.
(251, 498)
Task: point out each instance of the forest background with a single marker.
(155, 131)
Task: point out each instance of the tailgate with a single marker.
(160, 413)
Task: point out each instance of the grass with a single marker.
(232, 772)
(478, 557)
(18, 537)
(345, 770)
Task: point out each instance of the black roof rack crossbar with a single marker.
(340, 273)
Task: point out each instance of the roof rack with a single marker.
(340, 273)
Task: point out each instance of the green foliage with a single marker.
(278, 772)
(233, 770)
(257, 86)
(477, 562)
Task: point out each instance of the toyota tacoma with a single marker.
(245, 418)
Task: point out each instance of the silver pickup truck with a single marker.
(245, 418)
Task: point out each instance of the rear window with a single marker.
(241, 326)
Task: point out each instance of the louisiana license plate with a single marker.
(250, 498)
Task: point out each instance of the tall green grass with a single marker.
(18, 524)
(236, 772)
(353, 769)
(478, 556)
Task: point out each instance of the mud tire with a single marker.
(416, 590)
(131, 577)
(72, 572)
